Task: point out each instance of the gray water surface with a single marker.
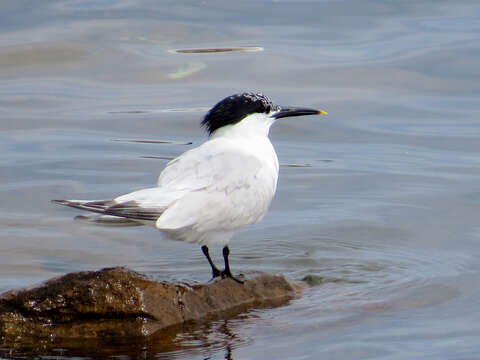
(384, 222)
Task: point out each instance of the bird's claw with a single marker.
(228, 274)
(216, 273)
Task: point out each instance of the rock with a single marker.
(116, 302)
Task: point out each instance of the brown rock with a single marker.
(117, 302)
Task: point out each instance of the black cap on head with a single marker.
(234, 108)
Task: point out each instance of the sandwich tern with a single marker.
(207, 193)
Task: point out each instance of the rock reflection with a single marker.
(204, 341)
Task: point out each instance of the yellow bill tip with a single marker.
(322, 112)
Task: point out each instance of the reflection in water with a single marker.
(184, 71)
(217, 50)
(203, 341)
(144, 141)
(152, 111)
(209, 340)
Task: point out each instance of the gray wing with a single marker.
(129, 209)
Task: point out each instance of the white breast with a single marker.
(228, 182)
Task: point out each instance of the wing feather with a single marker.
(134, 210)
(129, 209)
(226, 188)
(96, 206)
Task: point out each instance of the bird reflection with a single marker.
(230, 337)
(209, 340)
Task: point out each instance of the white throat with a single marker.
(253, 125)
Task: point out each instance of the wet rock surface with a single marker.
(116, 303)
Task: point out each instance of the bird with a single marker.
(209, 192)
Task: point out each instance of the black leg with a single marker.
(215, 271)
(227, 272)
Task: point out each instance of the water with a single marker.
(383, 223)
